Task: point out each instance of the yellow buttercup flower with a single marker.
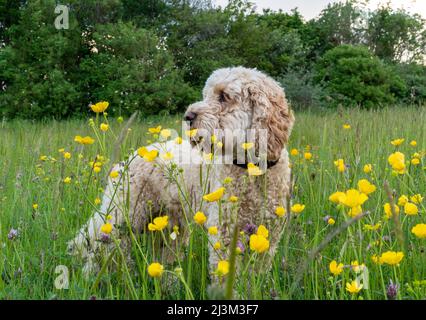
(397, 161)
(222, 268)
(84, 140)
(35, 206)
(376, 259)
(280, 211)
(67, 180)
(402, 200)
(410, 209)
(155, 270)
(297, 208)
(97, 169)
(213, 139)
(307, 156)
(148, 156)
(366, 187)
(335, 197)
(253, 170)
(417, 198)
(335, 268)
(331, 221)
(99, 107)
(397, 142)
(346, 126)
(391, 257)
(247, 145)
(207, 156)
(159, 223)
(227, 180)
(67, 155)
(294, 152)
(262, 231)
(233, 199)
(104, 127)
(200, 218)
(167, 156)
(419, 230)
(213, 231)
(155, 130)
(215, 195)
(106, 228)
(98, 201)
(176, 229)
(178, 140)
(353, 198)
(413, 143)
(355, 211)
(368, 168)
(258, 243)
(165, 133)
(340, 165)
(114, 174)
(191, 133)
(43, 158)
(217, 245)
(353, 287)
(415, 161)
(356, 267)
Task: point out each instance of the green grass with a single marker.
(27, 263)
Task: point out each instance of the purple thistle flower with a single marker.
(105, 238)
(249, 229)
(13, 234)
(392, 290)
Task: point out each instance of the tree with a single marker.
(200, 43)
(37, 67)
(354, 76)
(130, 68)
(396, 35)
(339, 23)
(10, 11)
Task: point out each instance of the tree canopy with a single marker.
(154, 56)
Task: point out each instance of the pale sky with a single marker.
(311, 8)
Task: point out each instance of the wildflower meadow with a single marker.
(355, 225)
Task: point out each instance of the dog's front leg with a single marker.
(90, 242)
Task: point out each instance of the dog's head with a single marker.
(239, 99)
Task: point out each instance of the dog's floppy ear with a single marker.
(271, 112)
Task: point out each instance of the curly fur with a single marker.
(233, 99)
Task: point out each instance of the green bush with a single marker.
(414, 77)
(300, 90)
(352, 75)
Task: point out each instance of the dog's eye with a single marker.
(223, 97)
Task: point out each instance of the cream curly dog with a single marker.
(234, 99)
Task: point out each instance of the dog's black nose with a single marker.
(190, 116)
